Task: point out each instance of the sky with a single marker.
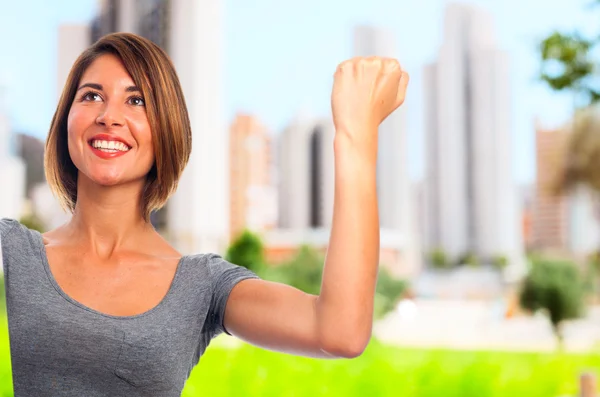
(279, 58)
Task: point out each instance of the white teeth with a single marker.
(110, 146)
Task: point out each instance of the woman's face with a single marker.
(110, 141)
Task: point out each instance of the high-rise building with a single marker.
(196, 218)
(395, 193)
(550, 210)
(72, 41)
(12, 169)
(252, 191)
(471, 195)
(306, 174)
(565, 223)
(393, 187)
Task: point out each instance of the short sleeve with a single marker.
(225, 276)
(6, 225)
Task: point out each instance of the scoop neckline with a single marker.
(68, 298)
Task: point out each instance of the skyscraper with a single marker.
(306, 174)
(549, 213)
(196, 218)
(471, 197)
(72, 41)
(252, 193)
(12, 169)
(393, 187)
(565, 223)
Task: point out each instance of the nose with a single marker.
(110, 116)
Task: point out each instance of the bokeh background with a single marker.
(488, 176)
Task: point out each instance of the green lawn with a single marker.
(380, 371)
(388, 371)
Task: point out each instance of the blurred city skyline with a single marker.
(276, 76)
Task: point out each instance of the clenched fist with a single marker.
(365, 92)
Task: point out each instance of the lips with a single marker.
(108, 146)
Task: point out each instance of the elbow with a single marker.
(345, 347)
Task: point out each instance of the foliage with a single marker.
(468, 259)
(556, 288)
(388, 292)
(500, 261)
(438, 259)
(31, 221)
(387, 371)
(582, 158)
(567, 65)
(305, 272)
(247, 250)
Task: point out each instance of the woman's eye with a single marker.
(137, 101)
(91, 96)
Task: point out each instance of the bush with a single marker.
(438, 259)
(33, 222)
(556, 288)
(305, 272)
(388, 292)
(247, 250)
(468, 259)
(499, 262)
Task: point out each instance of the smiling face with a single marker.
(106, 131)
(109, 136)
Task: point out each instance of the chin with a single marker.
(105, 177)
(107, 180)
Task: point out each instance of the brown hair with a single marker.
(152, 71)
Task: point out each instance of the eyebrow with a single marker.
(98, 87)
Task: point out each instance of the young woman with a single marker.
(104, 306)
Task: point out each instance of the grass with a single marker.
(381, 371)
(388, 371)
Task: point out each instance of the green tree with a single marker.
(304, 271)
(468, 259)
(438, 259)
(33, 222)
(500, 261)
(556, 288)
(569, 64)
(247, 250)
(388, 291)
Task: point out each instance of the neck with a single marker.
(107, 219)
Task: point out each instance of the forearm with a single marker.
(344, 308)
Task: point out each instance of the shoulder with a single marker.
(6, 225)
(220, 270)
(16, 240)
(12, 230)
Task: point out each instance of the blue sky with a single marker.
(280, 56)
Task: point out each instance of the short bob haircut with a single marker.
(152, 71)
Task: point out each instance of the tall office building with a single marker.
(471, 196)
(549, 210)
(73, 39)
(252, 190)
(561, 222)
(196, 218)
(306, 174)
(395, 193)
(393, 187)
(12, 169)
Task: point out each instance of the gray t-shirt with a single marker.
(60, 347)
